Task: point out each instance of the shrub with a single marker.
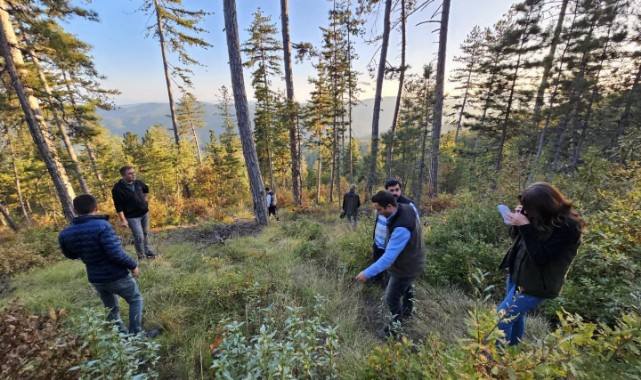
(305, 230)
(30, 248)
(298, 347)
(113, 355)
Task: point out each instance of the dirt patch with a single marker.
(207, 235)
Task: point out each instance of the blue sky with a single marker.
(132, 63)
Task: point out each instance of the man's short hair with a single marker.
(393, 182)
(85, 204)
(266, 188)
(124, 169)
(384, 198)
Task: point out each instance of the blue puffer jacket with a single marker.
(91, 239)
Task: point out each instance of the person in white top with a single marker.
(270, 201)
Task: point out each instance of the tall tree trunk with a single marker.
(460, 114)
(319, 167)
(508, 113)
(94, 168)
(547, 66)
(16, 177)
(438, 98)
(7, 218)
(242, 112)
(13, 57)
(371, 175)
(165, 63)
(199, 155)
(61, 126)
(399, 94)
(350, 95)
(421, 173)
(297, 180)
(624, 121)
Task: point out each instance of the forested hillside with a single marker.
(549, 93)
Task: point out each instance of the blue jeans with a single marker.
(128, 289)
(140, 229)
(399, 297)
(515, 306)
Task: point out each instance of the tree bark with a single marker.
(16, 177)
(172, 108)
(399, 94)
(61, 127)
(371, 176)
(297, 181)
(13, 59)
(438, 98)
(7, 218)
(242, 112)
(94, 168)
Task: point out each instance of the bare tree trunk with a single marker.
(460, 114)
(399, 94)
(242, 112)
(172, 108)
(16, 177)
(624, 121)
(94, 168)
(506, 119)
(199, 155)
(371, 176)
(421, 172)
(13, 57)
(438, 98)
(61, 126)
(7, 218)
(349, 94)
(297, 181)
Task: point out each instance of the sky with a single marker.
(132, 64)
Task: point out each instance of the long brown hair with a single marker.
(546, 207)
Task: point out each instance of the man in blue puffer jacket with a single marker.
(91, 239)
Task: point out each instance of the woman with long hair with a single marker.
(547, 234)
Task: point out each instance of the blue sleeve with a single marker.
(113, 249)
(397, 242)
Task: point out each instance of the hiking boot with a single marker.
(151, 333)
(151, 254)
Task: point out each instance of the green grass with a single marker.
(189, 289)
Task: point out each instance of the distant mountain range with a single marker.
(136, 118)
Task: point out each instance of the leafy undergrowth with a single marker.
(254, 300)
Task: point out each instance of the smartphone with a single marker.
(504, 210)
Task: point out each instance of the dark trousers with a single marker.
(271, 210)
(399, 297)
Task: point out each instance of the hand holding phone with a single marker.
(504, 210)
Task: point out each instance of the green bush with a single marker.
(33, 247)
(265, 346)
(305, 230)
(114, 355)
(463, 239)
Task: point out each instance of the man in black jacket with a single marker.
(351, 203)
(130, 199)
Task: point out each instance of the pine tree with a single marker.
(189, 114)
(242, 113)
(262, 51)
(172, 27)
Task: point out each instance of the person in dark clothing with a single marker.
(110, 270)
(130, 199)
(270, 201)
(547, 234)
(351, 203)
(403, 258)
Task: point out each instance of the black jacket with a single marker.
(539, 266)
(132, 203)
(411, 261)
(351, 203)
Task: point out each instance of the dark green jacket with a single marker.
(411, 260)
(539, 266)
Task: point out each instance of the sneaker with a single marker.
(151, 333)
(151, 255)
